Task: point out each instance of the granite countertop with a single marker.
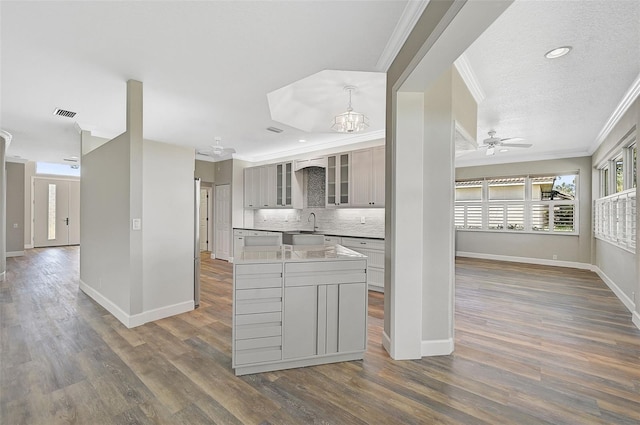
(293, 253)
(318, 232)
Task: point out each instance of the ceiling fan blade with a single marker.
(516, 145)
(512, 139)
(491, 150)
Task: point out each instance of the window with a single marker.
(58, 169)
(526, 204)
(615, 210)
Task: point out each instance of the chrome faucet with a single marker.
(314, 221)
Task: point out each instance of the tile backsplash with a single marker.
(338, 221)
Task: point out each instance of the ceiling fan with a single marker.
(492, 142)
(216, 150)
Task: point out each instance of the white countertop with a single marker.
(292, 253)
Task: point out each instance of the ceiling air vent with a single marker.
(275, 129)
(63, 113)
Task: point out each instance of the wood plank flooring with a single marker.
(534, 345)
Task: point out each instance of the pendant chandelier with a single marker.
(350, 121)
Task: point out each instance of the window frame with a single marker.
(526, 205)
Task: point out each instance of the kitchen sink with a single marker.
(288, 236)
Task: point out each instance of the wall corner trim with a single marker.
(3, 276)
(131, 321)
(438, 347)
(386, 343)
(160, 313)
(106, 303)
(28, 246)
(636, 319)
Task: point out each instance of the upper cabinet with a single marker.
(272, 186)
(337, 184)
(367, 177)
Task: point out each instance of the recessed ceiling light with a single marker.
(557, 52)
(302, 141)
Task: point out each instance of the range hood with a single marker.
(299, 164)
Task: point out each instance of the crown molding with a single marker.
(470, 79)
(410, 15)
(627, 100)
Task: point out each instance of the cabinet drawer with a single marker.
(258, 282)
(254, 294)
(363, 243)
(248, 344)
(259, 318)
(268, 306)
(258, 269)
(320, 266)
(258, 355)
(257, 331)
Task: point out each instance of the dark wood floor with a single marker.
(534, 345)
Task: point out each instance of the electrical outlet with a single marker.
(555, 256)
(136, 224)
(15, 225)
(363, 220)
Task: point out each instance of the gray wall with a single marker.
(617, 264)
(567, 247)
(168, 227)
(104, 221)
(15, 207)
(205, 171)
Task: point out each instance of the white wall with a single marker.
(167, 224)
(619, 266)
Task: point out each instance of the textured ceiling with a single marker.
(560, 105)
(206, 67)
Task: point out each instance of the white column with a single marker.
(405, 242)
(5, 139)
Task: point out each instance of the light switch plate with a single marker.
(363, 220)
(136, 224)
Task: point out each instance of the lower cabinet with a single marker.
(323, 319)
(298, 314)
(374, 250)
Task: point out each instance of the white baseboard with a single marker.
(3, 275)
(386, 343)
(131, 321)
(441, 347)
(628, 302)
(636, 319)
(112, 308)
(14, 254)
(527, 260)
(29, 246)
(160, 313)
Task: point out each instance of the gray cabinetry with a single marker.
(337, 180)
(367, 177)
(300, 313)
(374, 250)
(257, 313)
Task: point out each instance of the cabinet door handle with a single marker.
(363, 243)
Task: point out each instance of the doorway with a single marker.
(205, 219)
(56, 212)
(222, 222)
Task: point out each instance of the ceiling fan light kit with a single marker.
(492, 142)
(350, 121)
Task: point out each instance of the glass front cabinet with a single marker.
(284, 184)
(337, 183)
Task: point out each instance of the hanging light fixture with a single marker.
(350, 121)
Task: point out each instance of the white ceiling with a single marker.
(560, 105)
(208, 66)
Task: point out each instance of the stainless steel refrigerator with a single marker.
(196, 244)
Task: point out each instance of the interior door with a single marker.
(56, 217)
(204, 219)
(222, 222)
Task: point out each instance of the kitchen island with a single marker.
(296, 306)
